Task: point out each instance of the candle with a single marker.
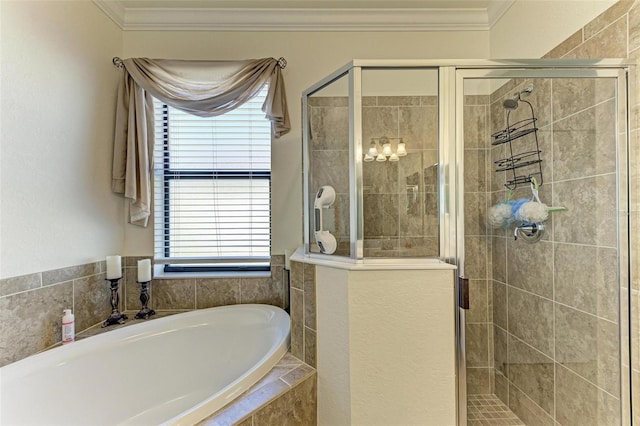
(144, 270)
(114, 267)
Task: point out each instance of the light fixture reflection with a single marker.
(402, 149)
(385, 150)
(373, 151)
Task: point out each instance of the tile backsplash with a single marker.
(31, 305)
(303, 312)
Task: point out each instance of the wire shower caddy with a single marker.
(517, 161)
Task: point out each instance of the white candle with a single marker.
(144, 270)
(114, 267)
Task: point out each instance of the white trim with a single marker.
(113, 9)
(303, 19)
(496, 9)
(306, 19)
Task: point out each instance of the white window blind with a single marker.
(212, 188)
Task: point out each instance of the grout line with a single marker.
(591, 106)
(562, 304)
(552, 417)
(588, 381)
(585, 177)
(195, 293)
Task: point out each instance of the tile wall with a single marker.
(287, 395)
(400, 199)
(201, 293)
(303, 312)
(31, 305)
(552, 307)
(477, 166)
(329, 151)
(555, 302)
(616, 33)
(400, 202)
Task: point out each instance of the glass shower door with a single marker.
(545, 336)
(327, 131)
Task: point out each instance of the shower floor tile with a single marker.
(489, 410)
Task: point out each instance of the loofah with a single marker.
(515, 207)
(499, 215)
(532, 212)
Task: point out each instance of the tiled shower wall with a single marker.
(551, 307)
(555, 302)
(400, 199)
(329, 151)
(31, 305)
(616, 34)
(478, 324)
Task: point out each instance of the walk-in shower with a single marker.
(418, 152)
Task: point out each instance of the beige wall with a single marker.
(310, 56)
(57, 109)
(383, 335)
(530, 28)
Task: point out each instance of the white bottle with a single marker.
(68, 327)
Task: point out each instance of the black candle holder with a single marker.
(116, 316)
(145, 312)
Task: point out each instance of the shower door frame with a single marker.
(451, 76)
(453, 176)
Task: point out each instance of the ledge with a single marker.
(382, 264)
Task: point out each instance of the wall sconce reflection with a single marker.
(385, 151)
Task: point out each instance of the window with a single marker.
(212, 189)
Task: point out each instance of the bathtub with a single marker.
(174, 370)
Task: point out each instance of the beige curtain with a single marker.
(202, 88)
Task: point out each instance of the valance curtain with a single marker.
(202, 88)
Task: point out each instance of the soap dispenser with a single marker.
(68, 327)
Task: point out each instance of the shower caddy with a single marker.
(517, 160)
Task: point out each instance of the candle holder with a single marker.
(116, 316)
(145, 312)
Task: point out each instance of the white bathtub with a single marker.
(175, 370)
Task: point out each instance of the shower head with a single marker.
(513, 102)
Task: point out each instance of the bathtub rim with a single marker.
(201, 410)
(243, 383)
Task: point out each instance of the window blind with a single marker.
(212, 188)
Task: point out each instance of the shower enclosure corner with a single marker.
(414, 159)
(371, 163)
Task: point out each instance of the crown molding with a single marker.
(113, 9)
(302, 19)
(496, 9)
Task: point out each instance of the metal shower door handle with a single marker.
(463, 292)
